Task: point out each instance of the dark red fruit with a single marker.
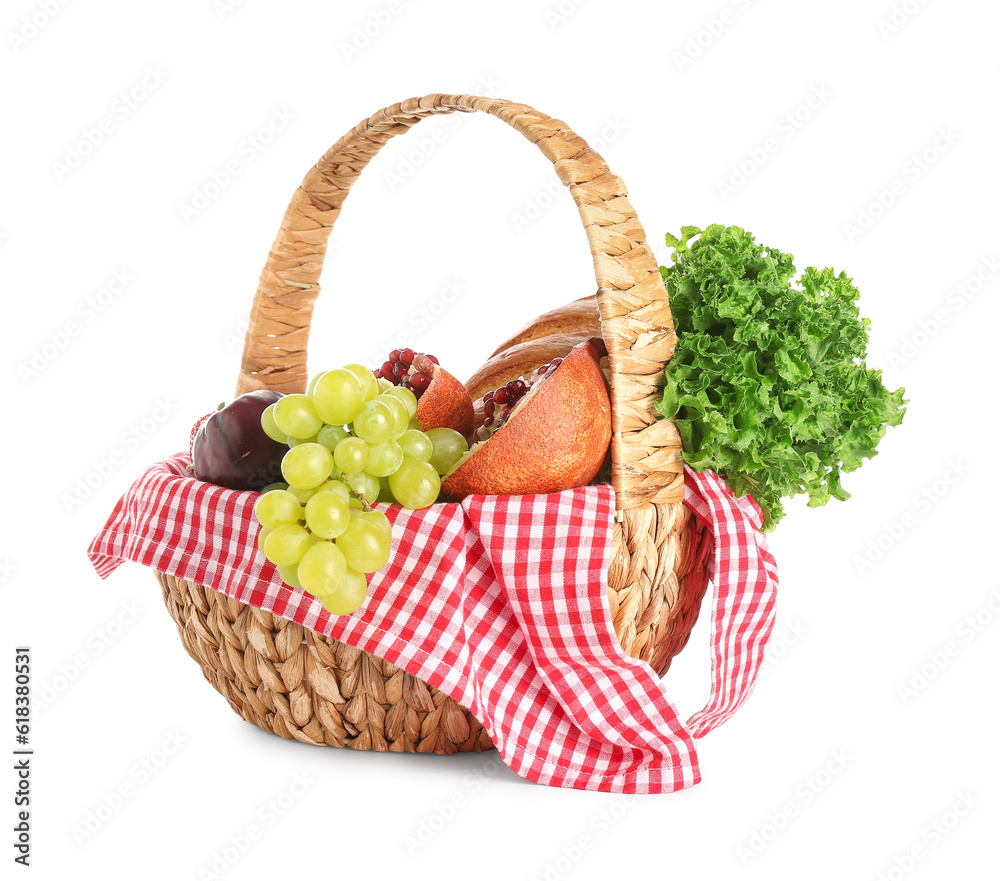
(412, 370)
(556, 436)
(500, 403)
(442, 401)
(232, 450)
(418, 383)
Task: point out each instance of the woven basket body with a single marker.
(299, 684)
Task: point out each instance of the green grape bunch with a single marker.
(353, 442)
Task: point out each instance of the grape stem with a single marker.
(364, 502)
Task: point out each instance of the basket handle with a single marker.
(635, 316)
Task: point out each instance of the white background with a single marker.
(674, 96)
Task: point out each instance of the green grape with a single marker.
(313, 381)
(449, 447)
(385, 495)
(400, 416)
(273, 486)
(384, 458)
(406, 396)
(365, 545)
(379, 519)
(351, 455)
(307, 465)
(295, 441)
(286, 544)
(278, 507)
(415, 424)
(296, 415)
(416, 445)
(331, 435)
(322, 568)
(265, 531)
(270, 429)
(369, 384)
(356, 504)
(335, 486)
(365, 485)
(349, 597)
(416, 484)
(327, 514)
(303, 495)
(375, 422)
(289, 574)
(338, 396)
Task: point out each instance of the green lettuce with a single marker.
(768, 386)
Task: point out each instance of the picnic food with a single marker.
(231, 448)
(579, 317)
(768, 385)
(660, 552)
(555, 437)
(318, 527)
(519, 361)
(441, 399)
(447, 447)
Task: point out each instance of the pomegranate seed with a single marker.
(502, 395)
(419, 383)
(490, 408)
(489, 421)
(488, 397)
(435, 360)
(377, 372)
(394, 355)
(387, 370)
(542, 370)
(399, 371)
(406, 357)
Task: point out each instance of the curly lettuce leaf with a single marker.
(768, 386)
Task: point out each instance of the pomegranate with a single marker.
(442, 401)
(548, 433)
(231, 449)
(519, 361)
(500, 403)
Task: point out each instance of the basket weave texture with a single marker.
(299, 684)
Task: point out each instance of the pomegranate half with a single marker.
(556, 437)
(442, 401)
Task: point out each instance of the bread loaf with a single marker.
(579, 317)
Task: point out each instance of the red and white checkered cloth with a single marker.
(500, 602)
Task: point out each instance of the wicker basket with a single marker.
(299, 684)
